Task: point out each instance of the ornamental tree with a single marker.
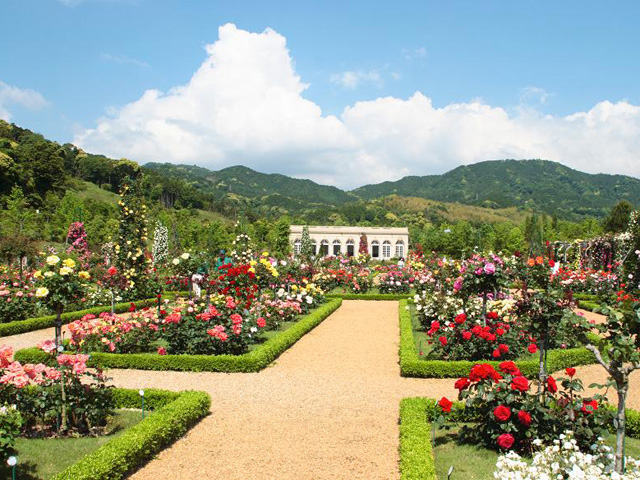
(77, 240)
(618, 354)
(130, 245)
(59, 283)
(363, 248)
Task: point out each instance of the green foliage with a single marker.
(254, 361)
(123, 455)
(10, 425)
(618, 218)
(416, 455)
(306, 246)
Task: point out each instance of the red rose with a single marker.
(462, 383)
(445, 404)
(520, 383)
(161, 351)
(466, 335)
(492, 315)
(112, 271)
(524, 418)
(500, 331)
(261, 322)
(132, 307)
(503, 348)
(532, 348)
(509, 367)
(502, 413)
(483, 371)
(461, 318)
(496, 353)
(552, 386)
(505, 441)
(571, 371)
(476, 330)
(589, 403)
(443, 341)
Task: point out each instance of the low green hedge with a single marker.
(253, 361)
(369, 296)
(592, 306)
(411, 365)
(37, 323)
(417, 460)
(174, 414)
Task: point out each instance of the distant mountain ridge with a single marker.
(539, 185)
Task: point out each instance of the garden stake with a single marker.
(450, 472)
(141, 392)
(12, 462)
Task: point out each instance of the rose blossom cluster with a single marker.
(18, 375)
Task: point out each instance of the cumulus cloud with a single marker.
(246, 105)
(353, 79)
(24, 97)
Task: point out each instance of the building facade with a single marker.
(383, 242)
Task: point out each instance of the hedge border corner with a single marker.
(175, 414)
(412, 366)
(253, 361)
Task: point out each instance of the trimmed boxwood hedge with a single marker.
(412, 366)
(253, 361)
(417, 460)
(369, 296)
(37, 323)
(174, 414)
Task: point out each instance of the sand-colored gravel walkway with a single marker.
(327, 408)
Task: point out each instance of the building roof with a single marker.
(354, 230)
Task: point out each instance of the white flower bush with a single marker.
(564, 461)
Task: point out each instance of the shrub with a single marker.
(10, 425)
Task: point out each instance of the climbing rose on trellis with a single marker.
(363, 248)
(77, 240)
(160, 250)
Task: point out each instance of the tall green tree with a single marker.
(618, 218)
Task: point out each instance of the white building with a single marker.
(383, 242)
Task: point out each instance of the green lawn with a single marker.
(477, 463)
(41, 458)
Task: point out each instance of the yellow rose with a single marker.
(42, 292)
(185, 256)
(38, 274)
(84, 275)
(65, 271)
(52, 260)
(69, 263)
(49, 274)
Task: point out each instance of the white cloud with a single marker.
(533, 94)
(245, 105)
(107, 57)
(24, 97)
(414, 54)
(353, 79)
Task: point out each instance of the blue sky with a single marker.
(89, 58)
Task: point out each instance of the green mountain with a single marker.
(540, 185)
(271, 189)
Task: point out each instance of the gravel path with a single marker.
(327, 409)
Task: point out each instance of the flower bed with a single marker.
(37, 323)
(417, 461)
(411, 365)
(252, 361)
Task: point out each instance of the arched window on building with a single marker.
(351, 249)
(386, 249)
(297, 246)
(314, 247)
(324, 248)
(375, 249)
(337, 248)
(399, 249)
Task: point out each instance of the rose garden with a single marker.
(141, 360)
